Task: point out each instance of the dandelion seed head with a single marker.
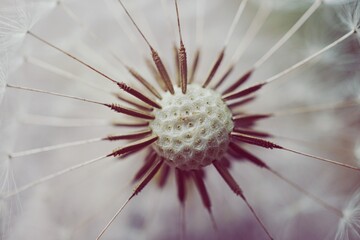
(193, 128)
(349, 225)
(350, 16)
(18, 18)
(82, 202)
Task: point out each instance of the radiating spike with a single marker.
(164, 175)
(138, 95)
(129, 111)
(144, 82)
(62, 73)
(242, 153)
(241, 102)
(256, 24)
(183, 68)
(332, 209)
(254, 141)
(289, 33)
(181, 186)
(243, 93)
(243, 79)
(155, 73)
(252, 132)
(230, 181)
(52, 121)
(182, 55)
(162, 70)
(53, 94)
(269, 145)
(250, 118)
(149, 176)
(194, 66)
(225, 76)
(121, 85)
(138, 105)
(214, 68)
(155, 56)
(177, 65)
(202, 189)
(52, 176)
(132, 135)
(149, 161)
(128, 136)
(200, 185)
(134, 146)
(121, 123)
(251, 89)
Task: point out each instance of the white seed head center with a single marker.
(193, 128)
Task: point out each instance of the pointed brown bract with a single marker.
(252, 132)
(138, 94)
(200, 185)
(164, 175)
(183, 67)
(155, 56)
(181, 186)
(241, 102)
(249, 118)
(144, 82)
(225, 76)
(194, 66)
(239, 82)
(254, 141)
(149, 161)
(182, 55)
(214, 68)
(146, 179)
(133, 135)
(230, 181)
(129, 111)
(243, 154)
(162, 71)
(243, 93)
(134, 146)
(155, 73)
(177, 65)
(120, 123)
(138, 105)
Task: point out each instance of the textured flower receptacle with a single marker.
(193, 128)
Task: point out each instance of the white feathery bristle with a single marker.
(349, 225)
(3, 73)
(16, 20)
(338, 2)
(357, 151)
(350, 15)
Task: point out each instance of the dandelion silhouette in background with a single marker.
(191, 123)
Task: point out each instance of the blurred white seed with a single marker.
(349, 225)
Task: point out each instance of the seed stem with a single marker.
(147, 178)
(238, 93)
(52, 176)
(289, 33)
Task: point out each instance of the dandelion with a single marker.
(349, 227)
(183, 115)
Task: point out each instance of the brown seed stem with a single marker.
(134, 146)
(214, 68)
(149, 176)
(130, 112)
